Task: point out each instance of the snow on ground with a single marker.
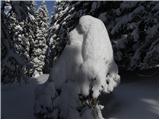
(18, 100)
(130, 100)
(133, 100)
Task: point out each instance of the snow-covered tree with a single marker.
(79, 75)
(17, 37)
(132, 26)
(134, 30)
(57, 34)
(40, 46)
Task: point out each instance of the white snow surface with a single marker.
(97, 54)
(31, 16)
(18, 27)
(36, 74)
(7, 9)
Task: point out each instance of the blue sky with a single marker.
(49, 4)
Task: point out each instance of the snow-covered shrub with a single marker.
(80, 74)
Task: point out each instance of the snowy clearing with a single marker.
(130, 100)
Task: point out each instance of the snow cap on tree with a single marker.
(81, 75)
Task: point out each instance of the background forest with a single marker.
(30, 44)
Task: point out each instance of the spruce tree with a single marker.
(133, 28)
(39, 47)
(17, 37)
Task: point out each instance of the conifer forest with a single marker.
(79, 59)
